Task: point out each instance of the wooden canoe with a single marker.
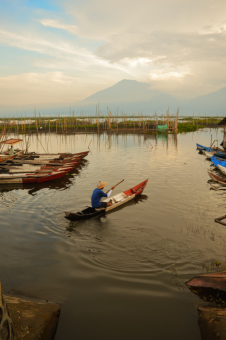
(57, 154)
(43, 162)
(52, 159)
(222, 169)
(117, 200)
(40, 171)
(217, 179)
(33, 179)
(24, 169)
(205, 148)
(208, 155)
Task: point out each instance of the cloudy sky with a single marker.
(61, 51)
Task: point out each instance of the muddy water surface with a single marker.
(120, 276)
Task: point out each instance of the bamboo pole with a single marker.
(36, 126)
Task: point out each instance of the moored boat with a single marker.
(23, 171)
(222, 169)
(201, 147)
(217, 179)
(218, 161)
(208, 155)
(217, 152)
(220, 154)
(33, 178)
(116, 200)
(34, 162)
(57, 155)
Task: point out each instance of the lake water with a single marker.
(120, 276)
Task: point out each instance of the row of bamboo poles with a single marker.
(102, 123)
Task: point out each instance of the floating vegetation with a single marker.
(216, 296)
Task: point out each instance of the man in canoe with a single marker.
(98, 194)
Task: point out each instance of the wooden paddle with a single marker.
(115, 185)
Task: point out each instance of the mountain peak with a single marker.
(126, 91)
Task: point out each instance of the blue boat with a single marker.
(216, 161)
(220, 154)
(201, 147)
(216, 152)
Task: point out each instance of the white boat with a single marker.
(209, 155)
(222, 169)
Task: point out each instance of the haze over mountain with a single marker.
(132, 97)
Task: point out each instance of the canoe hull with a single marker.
(217, 179)
(85, 214)
(33, 178)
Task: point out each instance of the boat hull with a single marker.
(217, 179)
(85, 214)
(39, 178)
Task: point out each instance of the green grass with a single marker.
(185, 127)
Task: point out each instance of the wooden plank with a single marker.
(27, 171)
(34, 162)
(23, 176)
(11, 181)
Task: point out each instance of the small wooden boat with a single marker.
(39, 178)
(205, 148)
(222, 169)
(208, 155)
(217, 179)
(117, 200)
(29, 166)
(37, 171)
(218, 161)
(52, 159)
(220, 154)
(57, 155)
(41, 162)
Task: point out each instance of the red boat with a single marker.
(44, 178)
(57, 155)
(218, 179)
(31, 178)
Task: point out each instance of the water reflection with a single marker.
(55, 142)
(111, 267)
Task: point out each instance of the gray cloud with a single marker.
(177, 46)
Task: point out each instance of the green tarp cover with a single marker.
(162, 128)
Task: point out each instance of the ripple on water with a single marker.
(131, 253)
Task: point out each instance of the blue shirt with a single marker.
(96, 197)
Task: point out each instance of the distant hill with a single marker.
(132, 97)
(126, 91)
(129, 96)
(212, 104)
